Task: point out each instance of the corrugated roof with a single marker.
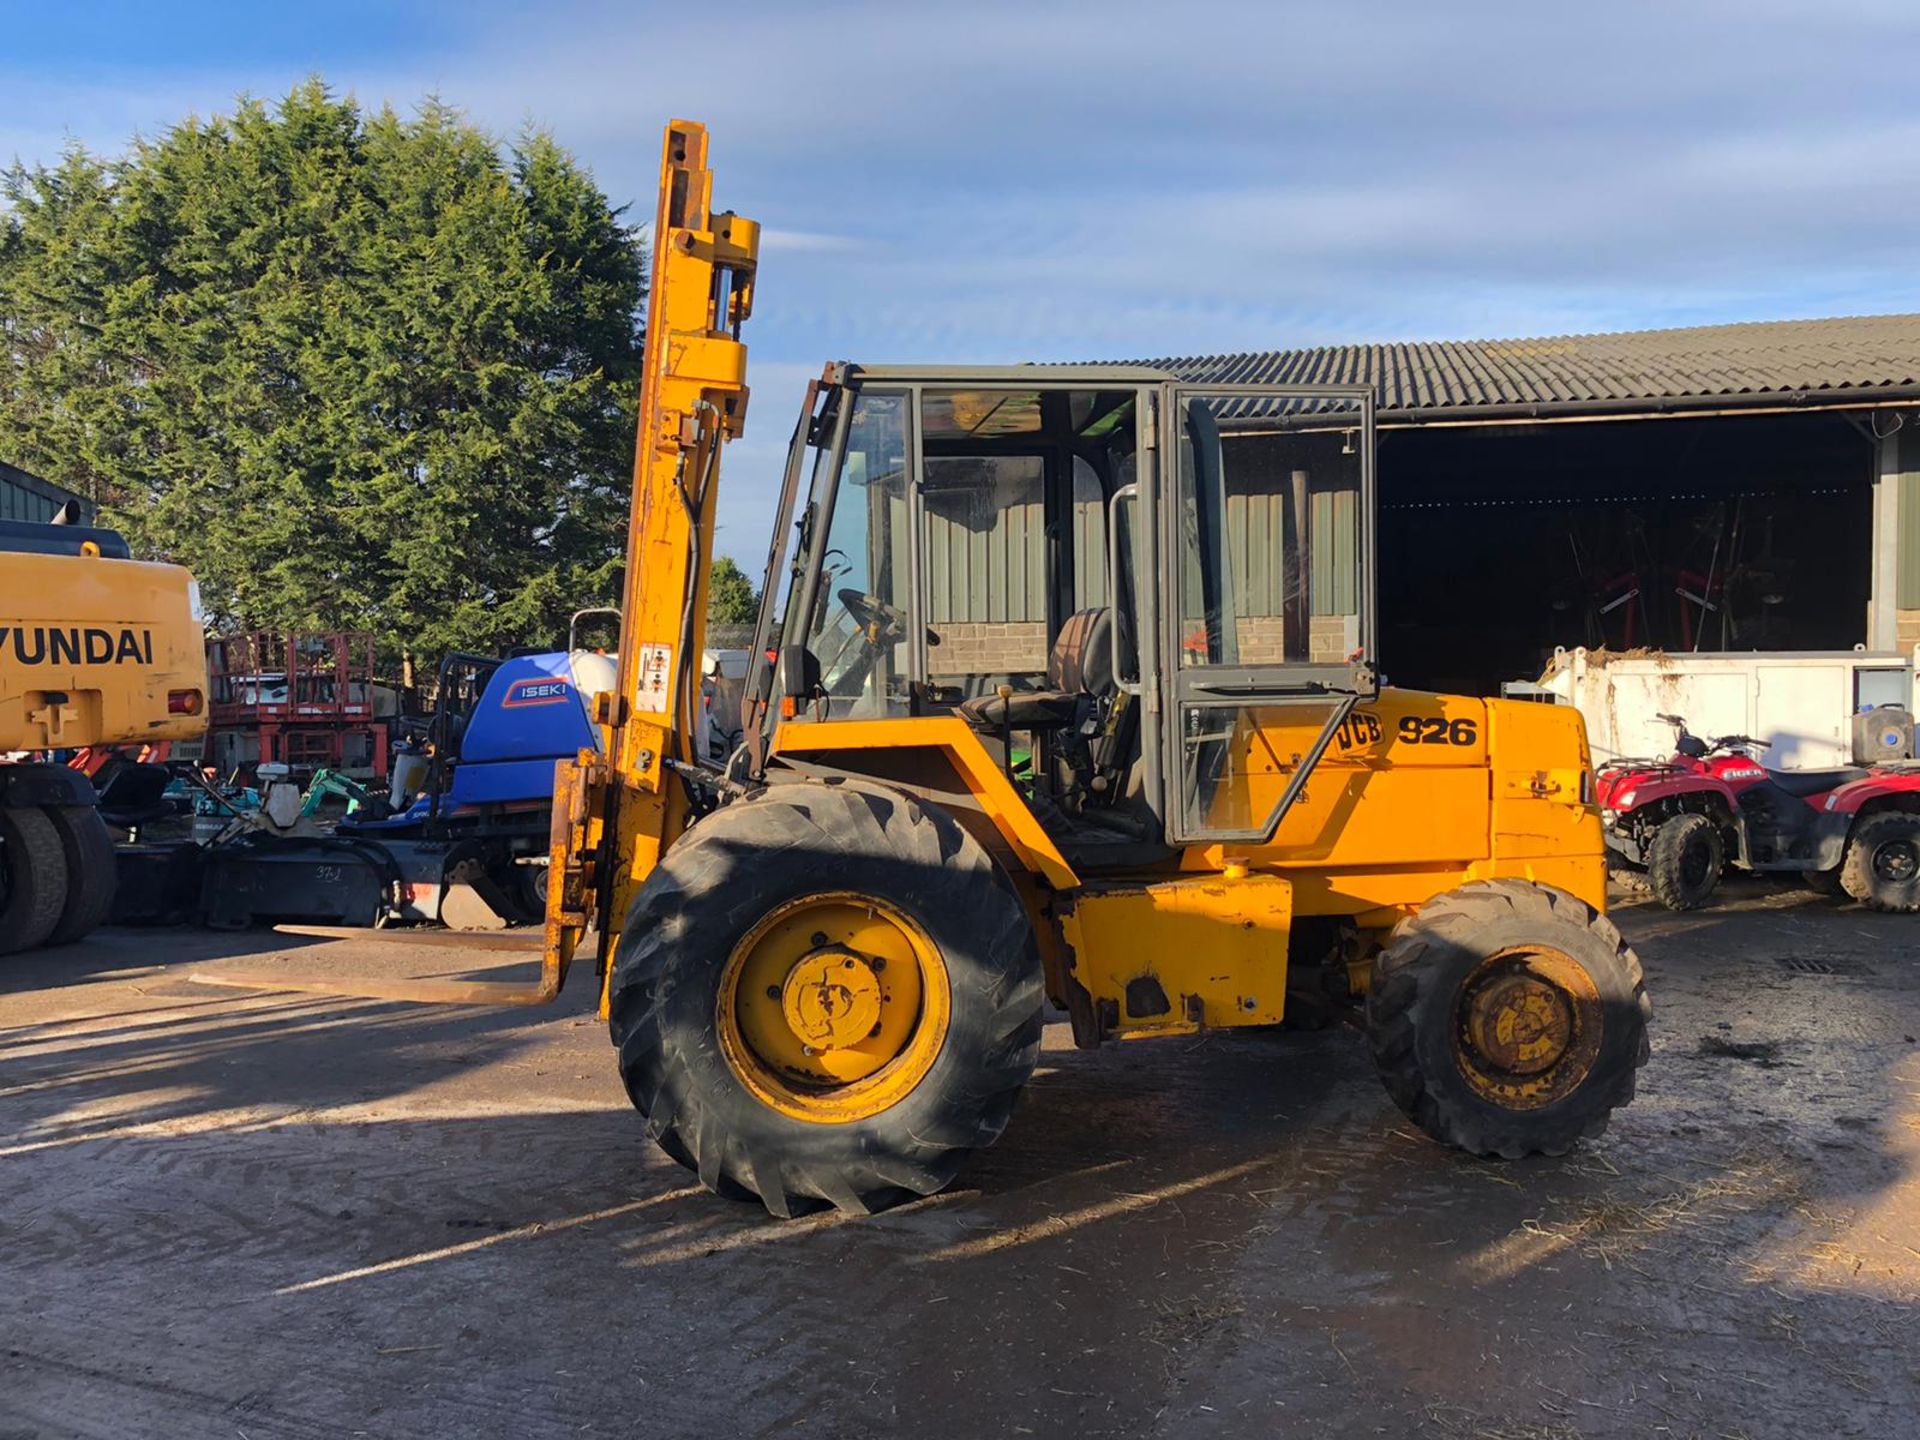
(1810, 362)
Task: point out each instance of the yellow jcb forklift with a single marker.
(1061, 692)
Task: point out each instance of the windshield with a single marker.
(850, 597)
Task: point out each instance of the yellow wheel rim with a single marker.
(1527, 1028)
(833, 1007)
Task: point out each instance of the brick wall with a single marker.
(989, 648)
(1019, 647)
(1262, 639)
(1333, 638)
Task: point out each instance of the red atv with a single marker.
(1854, 831)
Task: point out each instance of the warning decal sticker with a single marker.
(656, 664)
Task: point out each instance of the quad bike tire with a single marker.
(1508, 1019)
(712, 955)
(92, 882)
(1882, 865)
(1685, 861)
(33, 891)
(1627, 879)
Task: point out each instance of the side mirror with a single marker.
(799, 672)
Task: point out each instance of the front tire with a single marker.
(1507, 1018)
(782, 921)
(1882, 868)
(33, 887)
(1685, 861)
(92, 881)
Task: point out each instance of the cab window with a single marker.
(1015, 488)
(857, 626)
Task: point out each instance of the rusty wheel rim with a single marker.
(1528, 1023)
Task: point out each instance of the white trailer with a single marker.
(1801, 703)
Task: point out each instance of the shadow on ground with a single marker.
(293, 1215)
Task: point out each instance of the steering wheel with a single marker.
(883, 623)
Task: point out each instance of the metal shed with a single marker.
(1745, 486)
(28, 497)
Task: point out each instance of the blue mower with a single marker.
(461, 838)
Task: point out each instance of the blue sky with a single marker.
(1003, 182)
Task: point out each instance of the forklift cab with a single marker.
(1125, 586)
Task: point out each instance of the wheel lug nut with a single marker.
(819, 937)
(878, 963)
(773, 992)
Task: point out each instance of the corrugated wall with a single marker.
(19, 503)
(1908, 589)
(988, 575)
(1000, 575)
(1256, 526)
(1257, 539)
(1336, 552)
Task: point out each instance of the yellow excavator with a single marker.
(1061, 693)
(96, 648)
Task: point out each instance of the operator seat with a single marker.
(1079, 669)
(1802, 783)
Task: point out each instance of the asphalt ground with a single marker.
(234, 1213)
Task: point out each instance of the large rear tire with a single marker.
(1882, 868)
(33, 887)
(1685, 861)
(1508, 1018)
(92, 881)
(828, 994)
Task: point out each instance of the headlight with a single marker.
(1625, 802)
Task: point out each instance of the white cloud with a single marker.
(774, 240)
(1004, 181)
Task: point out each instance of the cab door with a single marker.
(1266, 600)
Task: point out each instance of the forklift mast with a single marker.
(616, 811)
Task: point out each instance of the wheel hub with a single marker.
(833, 1007)
(1521, 1024)
(831, 999)
(1528, 1027)
(1896, 861)
(1695, 862)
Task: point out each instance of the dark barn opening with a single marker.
(1499, 543)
